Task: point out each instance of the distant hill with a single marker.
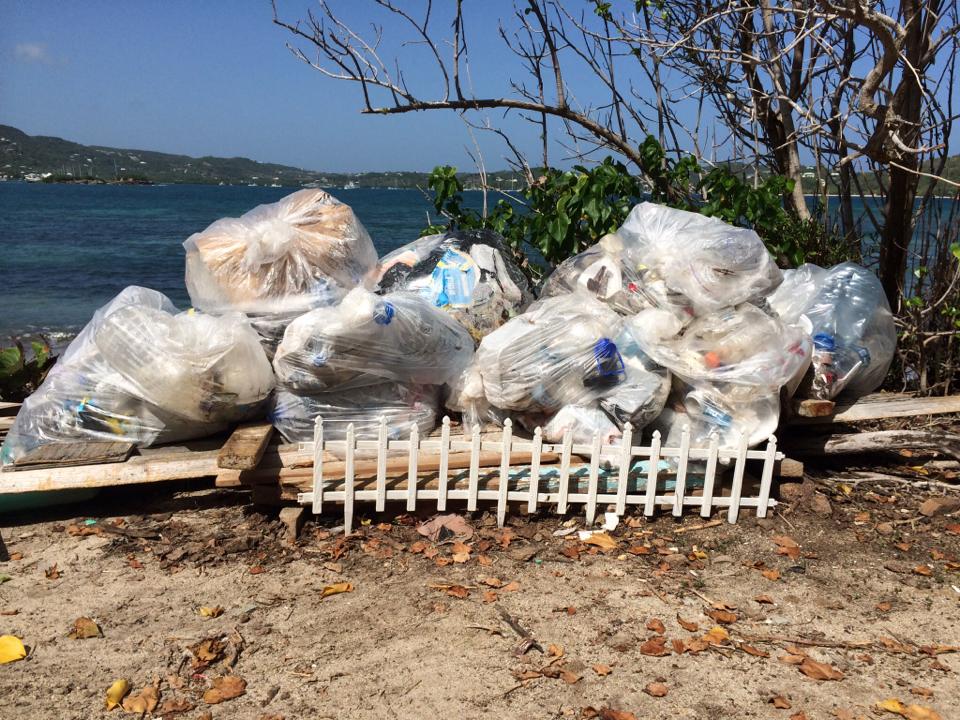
(21, 154)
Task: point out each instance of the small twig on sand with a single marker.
(701, 526)
(529, 642)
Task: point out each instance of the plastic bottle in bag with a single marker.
(470, 274)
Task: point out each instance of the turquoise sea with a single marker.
(65, 250)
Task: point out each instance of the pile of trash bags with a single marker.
(142, 372)
(674, 321)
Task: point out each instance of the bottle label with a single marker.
(453, 280)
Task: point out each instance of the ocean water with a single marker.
(65, 250)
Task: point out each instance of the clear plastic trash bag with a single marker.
(737, 346)
(560, 352)
(369, 338)
(142, 372)
(713, 264)
(608, 273)
(294, 415)
(854, 336)
(470, 274)
(797, 292)
(295, 254)
(721, 411)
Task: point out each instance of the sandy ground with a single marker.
(869, 595)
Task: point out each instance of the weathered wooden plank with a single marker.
(873, 442)
(138, 469)
(6, 423)
(9, 408)
(245, 447)
(54, 455)
(884, 405)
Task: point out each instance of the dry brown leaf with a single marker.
(679, 646)
(569, 677)
(687, 625)
(571, 551)
(257, 569)
(921, 692)
(884, 606)
(655, 646)
(751, 650)
(716, 635)
(84, 628)
(602, 670)
(934, 650)
(144, 701)
(656, 626)
(724, 617)
(458, 591)
(607, 713)
(460, 557)
(485, 560)
(792, 659)
(780, 702)
(554, 650)
(639, 549)
(656, 689)
(764, 599)
(771, 574)
(174, 706)
(799, 716)
(417, 547)
(511, 586)
(601, 540)
(52, 572)
(490, 596)
(225, 688)
(819, 671)
(336, 589)
(923, 570)
(492, 582)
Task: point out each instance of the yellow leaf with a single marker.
(911, 712)
(211, 612)
(845, 489)
(116, 693)
(336, 589)
(11, 649)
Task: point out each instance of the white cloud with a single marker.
(32, 52)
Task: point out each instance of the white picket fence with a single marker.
(615, 462)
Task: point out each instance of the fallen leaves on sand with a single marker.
(780, 702)
(655, 646)
(656, 689)
(601, 540)
(771, 574)
(787, 546)
(174, 706)
(724, 617)
(52, 572)
(116, 693)
(606, 713)
(751, 650)
(144, 701)
(818, 670)
(764, 599)
(602, 670)
(11, 649)
(84, 628)
(687, 625)
(656, 625)
(336, 589)
(225, 688)
(442, 526)
(911, 712)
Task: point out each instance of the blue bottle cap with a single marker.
(824, 341)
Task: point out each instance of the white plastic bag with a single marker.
(712, 263)
(369, 338)
(141, 372)
(301, 252)
(467, 273)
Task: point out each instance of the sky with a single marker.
(216, 78)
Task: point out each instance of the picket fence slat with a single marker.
(622, 463)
